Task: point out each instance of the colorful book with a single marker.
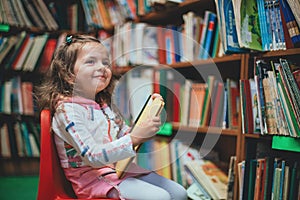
(210, 177)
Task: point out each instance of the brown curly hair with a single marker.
(57, 83)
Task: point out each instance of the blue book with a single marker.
(26, 139)
(212, 20)
(231, 42)
(263, 25)
(292, 26)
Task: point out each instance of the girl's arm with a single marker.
(71, 123)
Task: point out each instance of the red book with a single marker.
(161, 45)
(47, 55)
(218, 106)
(176, 100)
(27, 98)
(234, 106)
(296, 75)
(21, 50)
(249, 108)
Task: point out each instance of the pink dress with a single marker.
(89, 142)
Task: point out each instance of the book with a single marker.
(248, 30)
(209, 37)
(196, 103)
(150, 109)
(293, 28)
(5, 147)
(210, 177)
(196, 192)
(231, 177)
(207, 107)
(218, 108)
(47, 55)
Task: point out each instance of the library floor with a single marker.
(18, 187)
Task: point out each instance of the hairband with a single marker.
(69, 39)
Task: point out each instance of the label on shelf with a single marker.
(286, 143)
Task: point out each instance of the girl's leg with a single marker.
(135, 189)
(176, 190)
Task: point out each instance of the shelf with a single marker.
(224, 59)
(286, 143)
(167, 14)
(278, 53)
(210, 130)
(19, 166)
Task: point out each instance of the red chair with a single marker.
(52, 181)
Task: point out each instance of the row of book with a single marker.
(270, 100)
(261, 25)
(16, 96)
(189, 103)
(184, 164)
(26, 52)
(27, 14)
(139, 43)
(108, 13)
(268, 178)
(19, 139)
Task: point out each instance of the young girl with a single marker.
(90, 135)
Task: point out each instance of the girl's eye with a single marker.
(90, 62)
(106, 63)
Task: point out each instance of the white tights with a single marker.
(149, 187)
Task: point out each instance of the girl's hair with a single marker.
(58, 81)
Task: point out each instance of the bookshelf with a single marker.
(236, 66)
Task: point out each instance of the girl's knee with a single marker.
(163, 195)
(179, 193)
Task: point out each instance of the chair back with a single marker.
(52, 181)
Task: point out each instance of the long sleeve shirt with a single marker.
(89, 141)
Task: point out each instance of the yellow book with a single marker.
(150, 109)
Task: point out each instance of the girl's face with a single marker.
(92, 70)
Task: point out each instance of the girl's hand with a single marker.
(145, 131)
(156, 95)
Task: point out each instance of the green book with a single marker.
(252, 177)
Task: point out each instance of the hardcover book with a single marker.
(150, 109)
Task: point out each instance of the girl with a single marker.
(90, 135)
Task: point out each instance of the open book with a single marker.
(150, 109)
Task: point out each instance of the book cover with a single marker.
(161, 45)
(296, 75)
(211, 26)
(196, 103)
(206, 112)
(218, 108)
(4, 142)
(231, 177)
(210, 177)
(176, 102)
(293, 28)
(24, 51)
(233, 103)
(292, 86)
(20, 39)
(47, 55)
(204, 29)
(152, 109)
(34, 54)
(250, 34)
(184, 102)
